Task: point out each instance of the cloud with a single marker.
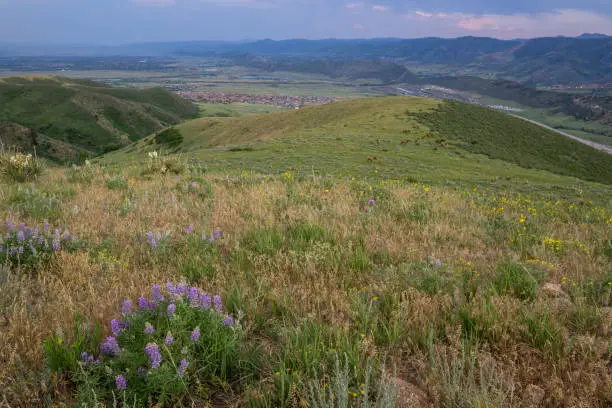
(378, 7)
(357, 26)
(353, 6)
(568, 22)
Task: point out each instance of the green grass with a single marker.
(483, 131)
(394, 138)
(234, 109)
(88, 115)
(595, 131)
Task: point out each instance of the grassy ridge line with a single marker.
(87, 115)
(483, 131)
(382, 138)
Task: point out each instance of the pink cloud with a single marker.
(568, 22)
(378, 7)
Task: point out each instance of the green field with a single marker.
(234, 109)
(391, 138)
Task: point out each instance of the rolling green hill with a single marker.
(394, 138)
(82, 115)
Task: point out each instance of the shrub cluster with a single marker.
(20, 167)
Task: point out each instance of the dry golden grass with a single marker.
(317, 282)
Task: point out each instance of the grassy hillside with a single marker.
(88, 115)
(484, 131)
(468, 297)
(387, 252)
(396, 137)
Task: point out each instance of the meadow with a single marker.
(157, 283)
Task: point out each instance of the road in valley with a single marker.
(598, 146)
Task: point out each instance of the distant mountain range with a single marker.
(545, 61)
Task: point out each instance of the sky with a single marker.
(113, 22)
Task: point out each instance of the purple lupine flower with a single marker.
(152, 305)
(86, 358)
(169, 339)
(228, 321)
(205, 301)
(56, 234)
(156, 293)
(189, 229)
(217, 233)
(155, 357)
(371, 203)
(438, 264)
(115, 327)
(203, 237)
(22, 227)
(110, 346)
(240, 315)
(126, 307)
(120, 382)
(195, 334)
(149, 329)
(13, 251)
(41, 240)
(74, 238)
(194, 296)
(170, 287)
(56, 245)
(211, 239)
(218, 303)
(183, 367)
(182, 288)
(46, 225)
(143, 303)
(65, 236)
(171, 310)
(9, 225)
(20, 250)
(151, 239)
(141, 372)
(21, 236)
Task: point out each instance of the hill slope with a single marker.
(399, 137)
(85, 115)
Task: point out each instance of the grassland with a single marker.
(363, 249)
(234, 109)
(469, 297)
(90, 116)
(595, 131)
(389, 138)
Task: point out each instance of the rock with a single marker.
(533, 396)
(409, 395)
(554, 290)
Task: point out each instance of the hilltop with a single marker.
(63, 117)
(396, 137)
